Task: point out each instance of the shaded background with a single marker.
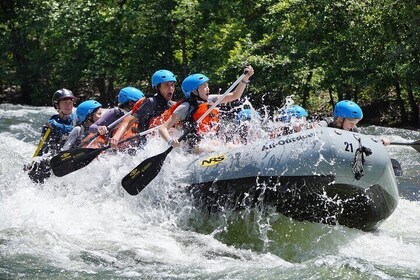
(319, 51)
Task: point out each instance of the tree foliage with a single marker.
(320, 51)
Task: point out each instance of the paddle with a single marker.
(38, 170)
(135, 181)
(42, 142)
(415, 144)
(66, 162)
(396, 166)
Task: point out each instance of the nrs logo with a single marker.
(213, 160)
(65, 156)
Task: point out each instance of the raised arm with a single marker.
(239, 90)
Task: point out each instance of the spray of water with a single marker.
(85, 225)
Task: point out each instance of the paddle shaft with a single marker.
(406, 144)
(42, 141)
(415, 144)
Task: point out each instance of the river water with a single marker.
(85, 226)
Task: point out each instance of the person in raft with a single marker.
(293, 120)
(347, 114)
(60, 124)
(87, 113)
(197, 101)
(53, 136)
(151, 109)
(127, 98)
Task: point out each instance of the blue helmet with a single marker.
(129, 94)
(244, 115)
(193, 82)
(86, 108)
(347, 109)
(162, 76)
(293, 111)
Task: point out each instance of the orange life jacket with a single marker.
(101, 140)
(162, 118)
(210, 123)
(91, 142)
(137, 105)
(127, 132)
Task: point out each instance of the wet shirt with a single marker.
(184, 110)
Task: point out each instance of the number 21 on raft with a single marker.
(349, 147)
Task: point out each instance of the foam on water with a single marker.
(84, 224)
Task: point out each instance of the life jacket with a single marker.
(137, 105)
(56, 138)
(162, 118)
(102, 140)
(94, 141)
(197, 131)
(210, 123)
(124, 131)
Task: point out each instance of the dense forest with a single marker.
(321, 51)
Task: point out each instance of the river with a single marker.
(85, 226)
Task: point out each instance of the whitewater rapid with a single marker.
(85, 225)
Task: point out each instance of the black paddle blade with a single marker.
(397, 167)
(69, 161)
(416, 145)
(135, 181)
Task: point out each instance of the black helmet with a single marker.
(60, 94)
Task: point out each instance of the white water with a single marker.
(85, 225)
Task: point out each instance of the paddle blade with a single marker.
(69, 161)
(135, 181)
(416, 145)
(397, 167)
(38, 171)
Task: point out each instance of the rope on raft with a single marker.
(359, 160)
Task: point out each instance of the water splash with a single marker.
(84, 225)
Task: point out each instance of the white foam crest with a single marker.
(396, 242)
(384, 250)
(85, 221)
(403, 223)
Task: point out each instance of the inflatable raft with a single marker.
(320, 175)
